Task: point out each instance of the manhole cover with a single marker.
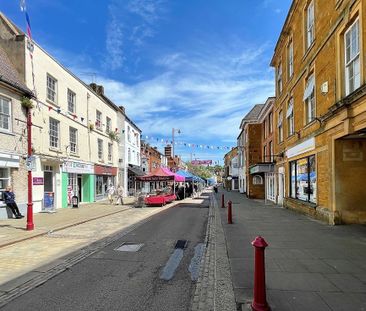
(129, 247)
(182, 244)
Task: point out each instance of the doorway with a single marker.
(79, 188)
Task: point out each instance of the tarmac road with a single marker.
(156, 277)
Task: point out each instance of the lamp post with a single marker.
(30, 224)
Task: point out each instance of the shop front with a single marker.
(104, 177)
(77, 180)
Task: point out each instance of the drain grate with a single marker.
(129, 247)
(182, 244)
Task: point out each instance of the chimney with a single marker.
(122, 108)
(99, 89)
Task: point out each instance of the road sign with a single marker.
(30, 163)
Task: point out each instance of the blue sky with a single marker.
(194, 65)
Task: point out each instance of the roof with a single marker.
(252, 115)
(9, 75)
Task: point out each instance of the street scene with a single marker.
(182, 155)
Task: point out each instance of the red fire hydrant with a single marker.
(260, 301)
(222, 201)
(229, 213)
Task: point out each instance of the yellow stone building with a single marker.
(320, 110)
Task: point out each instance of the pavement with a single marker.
(309, 265)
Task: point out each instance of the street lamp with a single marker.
(173, 131)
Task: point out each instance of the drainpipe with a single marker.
(30, 224)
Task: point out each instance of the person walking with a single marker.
(111, 190)
(119, 195)
(9, 198)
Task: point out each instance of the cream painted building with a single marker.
(75, 141)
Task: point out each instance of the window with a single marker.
(73, 137)
(128, 133)
(279, 78)
(129, 155)
(54, 133)
(290, 51)
(352, 58)
(98, 121)
(71, 101)
(270, 120)
(257, 180)
(303, 179)
(270, 151)
(290, 117)
(51, 89)
(264, 129)
(280, 127)
(100, 149)
(310, 25)
(137, 139)
(110, 151)
(138, 158)
(309, 99)
(265, 154)
(4, 180)
(5, 114)
(108, 125)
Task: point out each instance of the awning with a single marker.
(309, 88)
(136, 170)
(262, 168)
(290, 108)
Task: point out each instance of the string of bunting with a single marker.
(185, 144)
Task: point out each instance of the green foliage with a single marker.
(205, 171)
(113, 136)
(26, 102)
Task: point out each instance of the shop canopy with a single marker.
(161, 174)
(189, 176)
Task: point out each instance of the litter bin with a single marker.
(75, 201)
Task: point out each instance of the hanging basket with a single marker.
(26, 102)
(113, 136)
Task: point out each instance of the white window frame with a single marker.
(129, 155)
(128, 133)
(279, 78)
(71, 101)
(98, 119)
(310, 25)
(100, 148)
(6, 180)
(73, 140)
(280, 127)
(310, 104)
(290, 118)
(290, 58)
(110, 152)
(54, 133)
(51, 85)
(108, 124)
(352, 58)
(4, 116)
(257, 180)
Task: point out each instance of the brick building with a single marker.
(320, 110)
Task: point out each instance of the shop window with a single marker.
(99, 185)
(257, 180)
(303, 179)
(4, 180)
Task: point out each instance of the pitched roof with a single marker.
(253, 114)
(9, 75)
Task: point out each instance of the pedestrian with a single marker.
(119, 195)
(9, 198)
(111, 190)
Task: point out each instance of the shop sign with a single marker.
(105, 170)
(77, 167)
(38, 181)
(301, 148)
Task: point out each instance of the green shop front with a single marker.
(78, 179)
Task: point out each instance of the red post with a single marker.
(229, 213)
(30, 224)
(260, 301)
(222, 201)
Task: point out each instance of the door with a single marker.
(79, 188)
(281, 188)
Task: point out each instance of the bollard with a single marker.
(222, 201)
(259, 301)
(229, 213)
